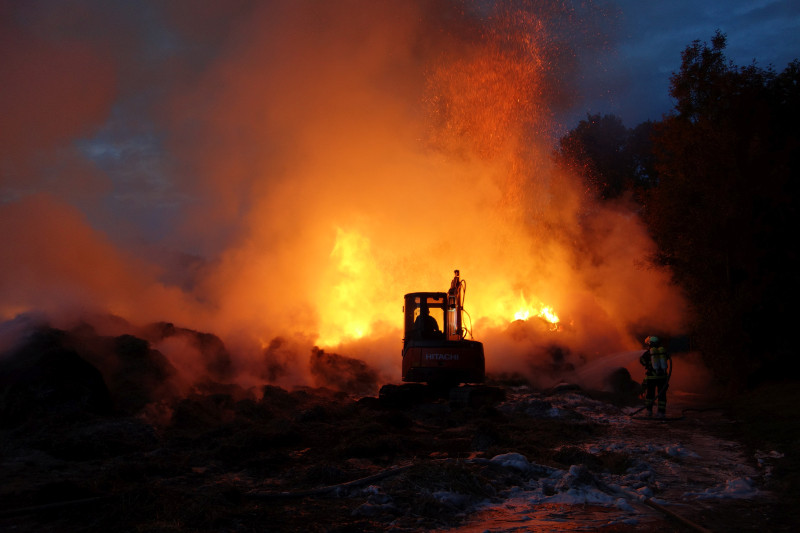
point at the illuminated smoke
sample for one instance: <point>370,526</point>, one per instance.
<point>281,173</point>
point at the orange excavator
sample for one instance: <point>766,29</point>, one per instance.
<point>440,361</point>
<point>440,356</point>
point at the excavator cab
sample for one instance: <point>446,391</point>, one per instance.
<point>435,347</point>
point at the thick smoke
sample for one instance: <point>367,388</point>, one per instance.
<point>281,173</point>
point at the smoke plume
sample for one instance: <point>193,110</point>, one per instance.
<point>281,173</point>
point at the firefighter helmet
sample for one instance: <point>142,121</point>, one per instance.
<point>652,340</point>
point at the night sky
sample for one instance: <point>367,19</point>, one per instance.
<point>632,79</point>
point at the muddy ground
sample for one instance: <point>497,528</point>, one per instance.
<point>317,460</point>
<point>100,444</point>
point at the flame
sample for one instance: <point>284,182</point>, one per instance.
<point>356,298</point>
<point>544,312</point>
<point>522,314</point>
<point>548,314</point>
<point>342,309</point>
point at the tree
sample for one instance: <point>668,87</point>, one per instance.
<point>724,209</point>
<point>611,158</point>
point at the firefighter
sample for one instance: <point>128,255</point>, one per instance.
<point>658,367</point>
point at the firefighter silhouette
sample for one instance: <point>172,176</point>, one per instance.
<point>658,367</point>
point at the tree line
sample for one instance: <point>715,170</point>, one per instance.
<point>715,181</point>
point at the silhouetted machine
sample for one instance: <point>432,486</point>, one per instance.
<point>440,355</point>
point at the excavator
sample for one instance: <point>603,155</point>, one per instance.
<point>442,358</point>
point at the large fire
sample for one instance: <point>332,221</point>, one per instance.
<point>349,305</point>
<point>294,176</point>
<point>467,202</point>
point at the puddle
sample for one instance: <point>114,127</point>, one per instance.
<point>519,515</point>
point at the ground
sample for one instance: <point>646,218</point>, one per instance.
<point>270,459</point>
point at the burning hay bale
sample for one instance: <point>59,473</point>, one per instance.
<point>137,374</point>
<point>46,376</point>
<point>342,373</point>
<point>213,354</point>
<point>276,357</point>
<point>53,370</point>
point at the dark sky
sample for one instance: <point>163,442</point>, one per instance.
<point>632,80</point>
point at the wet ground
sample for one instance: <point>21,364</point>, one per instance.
<point>683,473</point>
<point>317,460</point>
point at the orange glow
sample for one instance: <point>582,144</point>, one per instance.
<point>522,314</point>
<point>548,314</point>
<point>545,312</point>
<point>343,312</point>
<point>460,206</point>
<point>315,167</point>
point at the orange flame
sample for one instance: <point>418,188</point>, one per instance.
<point>342,309</point>
<point>544,312</point>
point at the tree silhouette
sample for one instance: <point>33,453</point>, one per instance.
<point>724,210</point>
<point>717,182</point>
<point>611,158</point>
